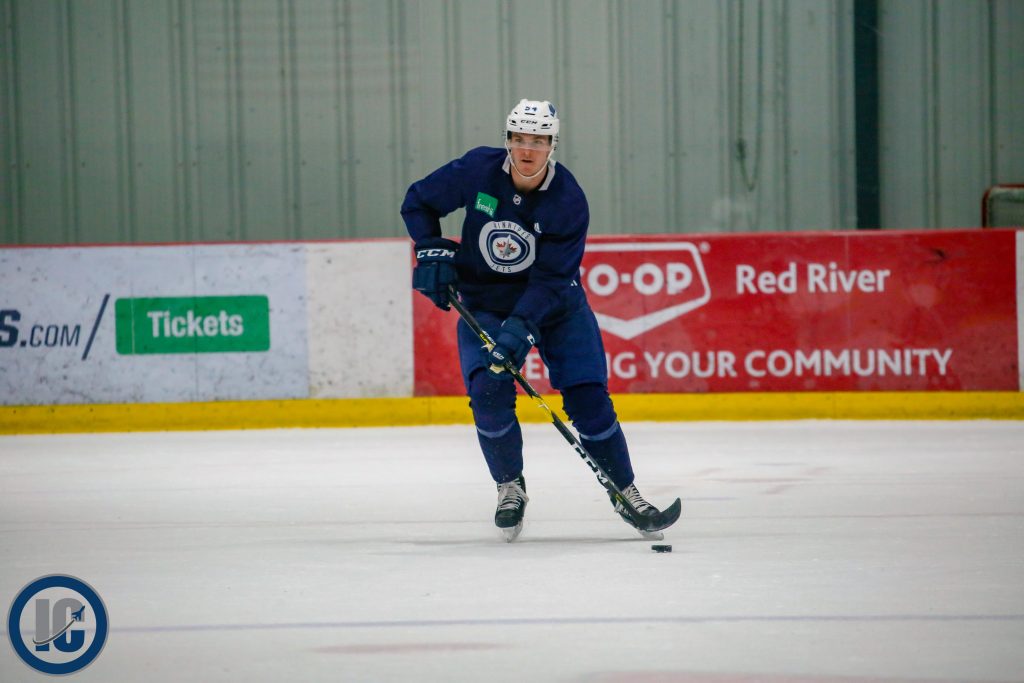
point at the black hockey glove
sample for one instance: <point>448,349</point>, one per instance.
<point>515,339</point>
<point>435,269</point>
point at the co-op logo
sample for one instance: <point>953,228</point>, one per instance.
<point>57,624</point>
<point>637,286</point>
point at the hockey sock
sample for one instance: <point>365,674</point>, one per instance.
<point>593,415</point>
<point>493,402</point>
<point>612,455</point>
<point>503,452</point>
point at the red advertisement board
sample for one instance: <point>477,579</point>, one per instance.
<point>864,311</point>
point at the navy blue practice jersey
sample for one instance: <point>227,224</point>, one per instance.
<point>520,253</point>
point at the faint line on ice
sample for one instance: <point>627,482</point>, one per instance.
<point>570,621</point>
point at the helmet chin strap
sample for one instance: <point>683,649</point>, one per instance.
<point>543,167</point>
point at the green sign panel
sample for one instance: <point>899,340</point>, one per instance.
<point>193,324</point>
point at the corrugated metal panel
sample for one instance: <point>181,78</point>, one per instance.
<point>907,132</point>
<point>141,121</point>
<point>1007,106</point>
<point>952,99</point>
<point>9,207</point>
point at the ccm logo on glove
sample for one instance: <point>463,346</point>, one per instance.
<point>435,269</point>
<point>443,253</point>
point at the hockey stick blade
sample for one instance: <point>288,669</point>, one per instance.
<point>663,519</point>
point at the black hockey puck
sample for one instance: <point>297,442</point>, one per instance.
<point>661,548</point>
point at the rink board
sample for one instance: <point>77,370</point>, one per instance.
<point>916,324</point>
<point>210,322</point>
<point>800,312</point>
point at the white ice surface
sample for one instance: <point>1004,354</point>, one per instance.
<point>807,552</point>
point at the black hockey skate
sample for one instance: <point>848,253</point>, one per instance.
<point>512,501</point>
<point>642,506</point>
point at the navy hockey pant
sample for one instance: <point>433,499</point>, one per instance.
<point>574,354</point>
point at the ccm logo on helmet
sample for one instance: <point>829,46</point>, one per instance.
<point>423,253</point>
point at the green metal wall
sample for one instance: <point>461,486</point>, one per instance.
<point>202,120</point>
<point>952,120</point>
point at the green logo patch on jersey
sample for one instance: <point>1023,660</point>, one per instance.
<point>486,203</point>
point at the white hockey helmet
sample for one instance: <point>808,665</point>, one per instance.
<point>535,117</point>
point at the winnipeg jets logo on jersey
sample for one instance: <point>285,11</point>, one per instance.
<point>507,247</point>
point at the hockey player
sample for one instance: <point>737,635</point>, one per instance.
<point>517,271</point>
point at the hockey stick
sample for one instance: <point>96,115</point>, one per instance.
<point>662,520</point>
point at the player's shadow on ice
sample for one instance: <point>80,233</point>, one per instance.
<point>529,540</point>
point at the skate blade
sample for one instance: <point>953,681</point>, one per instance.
<point>512,533</point>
